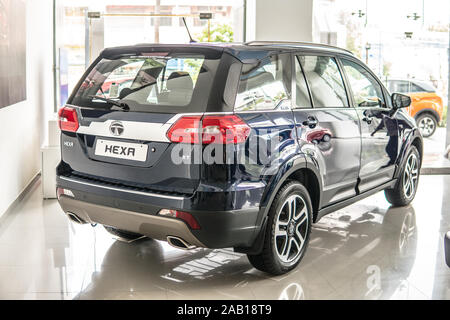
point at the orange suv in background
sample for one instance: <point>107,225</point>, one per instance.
<point>426,105</point>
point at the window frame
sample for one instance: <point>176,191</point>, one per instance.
<point>294,62</point>
<point>341,71</point>
<point>387,104</point>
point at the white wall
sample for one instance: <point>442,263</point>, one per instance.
<point>23,125</point>
<point>279,20</point>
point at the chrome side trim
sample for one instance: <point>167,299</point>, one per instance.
<point>149,194</point>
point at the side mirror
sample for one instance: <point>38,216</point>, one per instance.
<point>400,100</point>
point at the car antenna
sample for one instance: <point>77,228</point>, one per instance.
<point>187,29</point>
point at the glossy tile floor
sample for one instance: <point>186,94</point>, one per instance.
<point>366,251</point>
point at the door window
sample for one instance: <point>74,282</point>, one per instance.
<point>366,90</point>
<point>325,81</point>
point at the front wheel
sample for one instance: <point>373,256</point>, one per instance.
<point>406,186</point>
<point>288,230</point>
<point>427,124</point>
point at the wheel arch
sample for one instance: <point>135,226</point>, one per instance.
<point>297,169</point>
<point>414,139</point>
<point>430,111</point>
<point>418,143</point>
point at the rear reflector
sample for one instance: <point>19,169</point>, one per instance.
<point>68,119</point>
<point>227,129</point>
<point>66,192</point>
<point>185,216</point>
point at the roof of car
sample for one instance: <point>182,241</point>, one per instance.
<point>246,52</point>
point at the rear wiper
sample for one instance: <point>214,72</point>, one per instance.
<point>121,105</point>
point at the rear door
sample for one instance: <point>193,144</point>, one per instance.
<point>379,129</point>
<point>327,127</point>
<point>130,146</point>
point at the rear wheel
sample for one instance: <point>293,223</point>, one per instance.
<point>406,187</point>
<point>122,234</point>
<point>427,124</point>
<point>287,232</point>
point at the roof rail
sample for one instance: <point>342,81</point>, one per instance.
<point>294,43</point>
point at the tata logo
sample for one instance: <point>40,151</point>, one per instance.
<point>116,128</point>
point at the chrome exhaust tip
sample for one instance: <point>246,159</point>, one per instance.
<point>73,217</point>
<point>179,243</point>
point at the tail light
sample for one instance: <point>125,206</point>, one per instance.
<point>68,119</point>
<point>228,129</point>
<point>185,130</point>
<point>185,216</point>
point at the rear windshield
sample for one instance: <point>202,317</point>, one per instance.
<point>160,82</point>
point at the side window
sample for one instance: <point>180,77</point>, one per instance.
<point>416,88</point>
<point>264,86</point>
<point>325,81</point>
<point>366,90</point>
<point>301,89</point>
<point>400,86</point>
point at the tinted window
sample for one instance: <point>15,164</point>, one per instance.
<point>325,81</point>
<point>302,99</point>
<point>416,88</point>
<point>264,86</point>
<point>158,83</point>
<point>366,90</point>
<point>423,86</point>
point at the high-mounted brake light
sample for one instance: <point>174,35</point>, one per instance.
<point>68,119</point>
<point>226,129</point>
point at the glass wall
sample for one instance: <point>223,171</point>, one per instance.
<point>406,43</point>
<point>130,22</point>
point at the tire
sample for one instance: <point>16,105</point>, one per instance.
<point>122,234</point>
<point>283,252</point>
<point>427,124</point>
<point>402,195</point>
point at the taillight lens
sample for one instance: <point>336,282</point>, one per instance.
<point>185,130</point>
<point>185,216</point>
<point>228,129</point>
<point>68,119</point>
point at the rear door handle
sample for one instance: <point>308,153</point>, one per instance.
<point>311,122</point>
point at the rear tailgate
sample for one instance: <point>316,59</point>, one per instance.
<point>128,146</point>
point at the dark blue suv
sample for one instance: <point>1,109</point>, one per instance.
<point>231,145</point>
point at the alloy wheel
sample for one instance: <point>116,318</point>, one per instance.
<point>426,126</point>
<point>291,229</point>
<point>410,176</point>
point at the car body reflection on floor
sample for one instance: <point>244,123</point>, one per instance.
<point>381,244</point>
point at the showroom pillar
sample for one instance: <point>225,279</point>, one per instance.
<point>282,20</point>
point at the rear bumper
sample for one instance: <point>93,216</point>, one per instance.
<point>152,226</point>
<point>137,211</point>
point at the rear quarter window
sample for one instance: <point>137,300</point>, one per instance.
<point>264,85</point>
